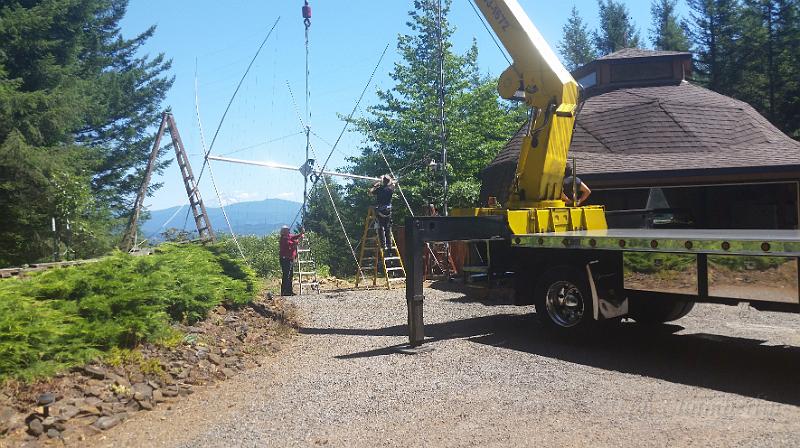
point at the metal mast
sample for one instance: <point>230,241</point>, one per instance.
<point>307,23</point>
<point>442,123</point>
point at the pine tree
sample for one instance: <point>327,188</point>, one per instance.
<point>576,47</point>
<point>405,122</point>
<point>714,31</point>
<point>787,67</point>
<point>668,33</point>
<point>77,102</point>
<point>616,31</point>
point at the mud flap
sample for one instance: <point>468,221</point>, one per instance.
<point>605,303</point>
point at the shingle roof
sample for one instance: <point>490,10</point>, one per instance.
<point>652,131</point>
<point>628,53</point>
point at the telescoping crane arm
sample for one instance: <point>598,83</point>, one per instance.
<point>552,94</point>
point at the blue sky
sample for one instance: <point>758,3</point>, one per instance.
<point>218,39</point>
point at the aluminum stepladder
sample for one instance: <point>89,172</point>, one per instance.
<point>305,269</point>
<point>373,256</point>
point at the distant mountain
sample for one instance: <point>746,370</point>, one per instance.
<point>247,218</point>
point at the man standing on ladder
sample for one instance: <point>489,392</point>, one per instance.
<point>288,252</point>
<point>383,192</point>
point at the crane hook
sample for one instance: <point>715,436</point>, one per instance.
<point>307,14</point>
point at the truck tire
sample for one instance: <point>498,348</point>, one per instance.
<point>651,312</point>
<point>563,300</point>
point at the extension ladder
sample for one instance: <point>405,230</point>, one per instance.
<point>373,256</point>
<point>440,260</point>
<point>305,269</point>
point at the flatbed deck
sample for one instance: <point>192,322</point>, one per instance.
<point>783,243</point>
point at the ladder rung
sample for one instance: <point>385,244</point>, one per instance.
<point>307,273</point>
<point>367,268</point>
<point>397,279</point>
<point>391,258</point>
<point>394,269</point>
<point>303,250</point>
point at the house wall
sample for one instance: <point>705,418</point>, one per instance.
<point>738,206</point>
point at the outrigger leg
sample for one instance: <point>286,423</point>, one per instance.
<point>421,230</point>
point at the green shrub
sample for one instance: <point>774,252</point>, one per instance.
<point>63,317</point>
<point>262,252</point>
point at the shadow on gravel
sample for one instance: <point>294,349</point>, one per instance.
<point>728,364</point>
<point>735,365</point>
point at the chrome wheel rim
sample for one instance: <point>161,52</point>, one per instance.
<point>565,304</point>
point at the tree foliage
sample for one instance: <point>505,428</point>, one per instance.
<point>748,50</point>
<point>616,30</point>
<point>667,33</point>
<point>405,122</point>
<point>77,104</point>
<point>576,44</point>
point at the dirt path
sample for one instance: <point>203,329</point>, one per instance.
<point>721,377</point>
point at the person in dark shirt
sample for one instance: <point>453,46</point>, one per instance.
<point>566,191</point>
<point>383,192</point>
<point>288,252</point>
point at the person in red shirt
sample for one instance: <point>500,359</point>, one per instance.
<point>288,252</point>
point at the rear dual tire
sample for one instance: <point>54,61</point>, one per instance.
<point>563,300</point>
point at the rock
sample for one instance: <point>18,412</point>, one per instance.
<point>184,391</point>
<point>49,421</point>
<point>216,359</point>
<point>106,423</point>
<point>95,372</point>
<point>68,412</point>
<point>137,378</point>
<point>121,381</point>
<point>158,396</point>
<point>171,391</point>
<point>133,406</point>
<point>142,391</point>
<point>184,374</point>
<point>228,372</point>
<point>9,419</point>
<point>35,427</point>
<point>153,384</point>
<point>92,401</point>
<point>53,433</point>
<point>93,391</point>
<point>147,405</point>
<point>88,409</point>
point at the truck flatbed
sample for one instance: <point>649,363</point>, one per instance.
<point>784,243</point>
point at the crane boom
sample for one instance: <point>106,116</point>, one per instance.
<point>551,92</point>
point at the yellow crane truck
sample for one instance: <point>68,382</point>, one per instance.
<point>565,260</point>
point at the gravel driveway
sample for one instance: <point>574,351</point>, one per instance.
<point>722,376</point>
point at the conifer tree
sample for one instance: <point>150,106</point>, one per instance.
<point>714,31</point>
<point>667,33</point>
<point>405,123</point>
<point>616,30</point>
<point>576,46</point>
<point>77,107</point>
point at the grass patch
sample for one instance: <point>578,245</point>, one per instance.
<point>65,317</point>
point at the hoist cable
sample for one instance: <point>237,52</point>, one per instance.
<point>211,171</point>
<point>230,102</point>
<point>349,118</point>
<point>489,31</point>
